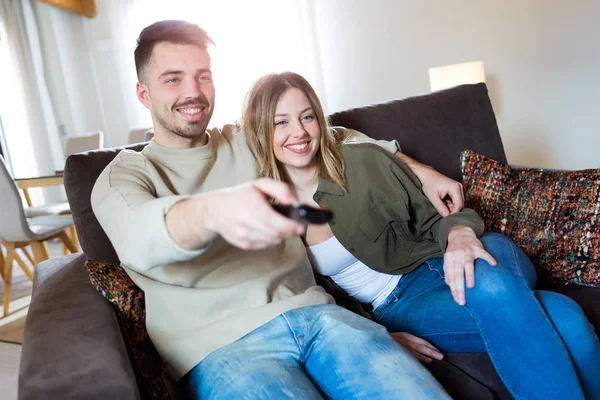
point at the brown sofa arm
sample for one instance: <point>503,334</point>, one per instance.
<point>72,348</point>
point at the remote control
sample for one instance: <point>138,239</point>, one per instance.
<point>303,213</point>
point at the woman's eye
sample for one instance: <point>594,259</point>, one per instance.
<point>280,123</point>
<point>308,118</point>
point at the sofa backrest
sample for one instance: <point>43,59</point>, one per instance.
<point>432,128</point>
<point>81,172</point>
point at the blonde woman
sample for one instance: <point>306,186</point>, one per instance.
<point>434,282</point>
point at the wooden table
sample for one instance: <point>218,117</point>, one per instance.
<point>26,183</point>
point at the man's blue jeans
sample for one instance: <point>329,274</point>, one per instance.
<point>313,352</point>
<point>541,343</point>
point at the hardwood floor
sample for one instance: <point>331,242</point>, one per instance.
<point>9,370</point>
<point>12,326</point>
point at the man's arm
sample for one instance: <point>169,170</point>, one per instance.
<point>437,186</point>
<point>242,215</point>
<point>148,231</point>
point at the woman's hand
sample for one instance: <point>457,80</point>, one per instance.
<point>420,348</point>
<point>459,260</point>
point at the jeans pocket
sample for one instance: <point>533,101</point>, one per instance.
<point>437,265</point>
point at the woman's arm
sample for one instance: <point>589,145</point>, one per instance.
<point>459,260</point>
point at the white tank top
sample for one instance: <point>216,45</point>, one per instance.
<point>330,258</point>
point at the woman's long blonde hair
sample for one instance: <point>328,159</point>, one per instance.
<point>258,123</point>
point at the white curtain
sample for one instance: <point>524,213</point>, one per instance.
<point>29,125</point>
<point>252,38</point>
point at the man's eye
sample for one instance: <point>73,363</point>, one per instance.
<point>172,80</point>
<point>206,78</point>
<point>280,123</point>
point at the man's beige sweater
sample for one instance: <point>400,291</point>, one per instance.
<point>198,301</point>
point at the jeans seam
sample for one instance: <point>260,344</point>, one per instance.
<point>387,305</point>
<point>514,255</point>
<point>492,355</point>
<point>293,333</point>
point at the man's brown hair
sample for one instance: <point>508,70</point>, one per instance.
<point>171,31</point>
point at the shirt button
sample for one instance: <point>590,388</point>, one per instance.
<point>318,196</point>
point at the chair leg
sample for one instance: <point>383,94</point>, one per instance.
<point>74,237</point>
<point>23,266</point>
<point>27,197</point>
<point>67,242</point>
<point>1,263</point>
<point>39,253</point>
<point>46,251</point>
<point>28,255</point>
<point>8,265</point>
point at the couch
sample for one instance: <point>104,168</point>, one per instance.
<point>73,346</point>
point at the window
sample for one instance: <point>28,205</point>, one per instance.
<point>277,39</point>
<point>14,138</point>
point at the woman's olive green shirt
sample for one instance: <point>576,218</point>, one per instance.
<point>383,218</point>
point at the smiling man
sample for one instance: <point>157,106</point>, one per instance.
<point>231,301</point>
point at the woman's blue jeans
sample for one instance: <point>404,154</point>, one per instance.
<point>315,352</point>
<point>541,343</point>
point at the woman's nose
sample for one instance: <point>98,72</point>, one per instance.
<point>298,129</point>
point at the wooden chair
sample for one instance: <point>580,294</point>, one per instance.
<point>75,144</point>
<point>79,144</point>
<point>17,232</point>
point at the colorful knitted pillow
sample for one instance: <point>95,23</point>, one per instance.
<point>553,215</point>
<point>116,286</point>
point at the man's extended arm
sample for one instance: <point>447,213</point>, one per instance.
<point>241,215</point>
<point>148,231</point>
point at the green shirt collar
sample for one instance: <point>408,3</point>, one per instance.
<point>329,187</point>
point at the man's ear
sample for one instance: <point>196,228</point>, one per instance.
<point>142,94</point>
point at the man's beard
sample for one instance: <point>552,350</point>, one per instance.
<point>190,129</point>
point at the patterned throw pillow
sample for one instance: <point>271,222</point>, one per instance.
<point>116,286</point>
<point>553,215</point>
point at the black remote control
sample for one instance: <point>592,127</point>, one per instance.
<point>303,213</point>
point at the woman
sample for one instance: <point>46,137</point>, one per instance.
<point>439,279</point>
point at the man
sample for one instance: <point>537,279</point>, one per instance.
<point>231,302</point>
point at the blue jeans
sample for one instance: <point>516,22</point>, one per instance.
<point>313,352</point>
<point>541,343</point>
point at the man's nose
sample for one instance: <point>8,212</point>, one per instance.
<point>191,89</point>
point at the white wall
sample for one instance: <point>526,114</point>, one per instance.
<point>541,60</point>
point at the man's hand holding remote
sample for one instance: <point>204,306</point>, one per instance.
<point>242,215</point>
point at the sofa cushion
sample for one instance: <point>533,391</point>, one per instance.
<point>553,215</point>
<point>128,300</point>
<point>72,347</point>
<point>81,172</point>
<point>433,128</point>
